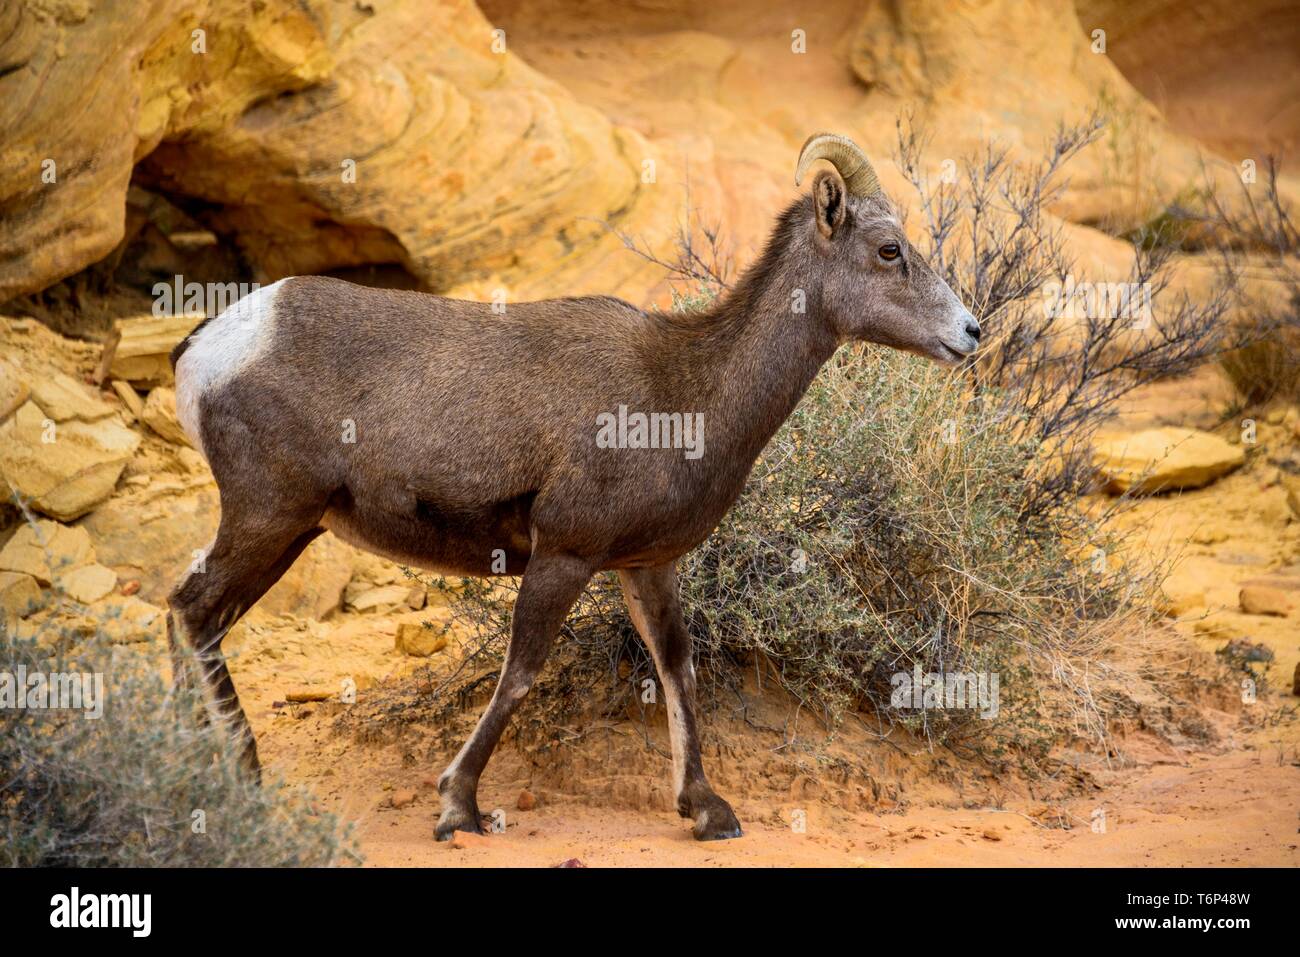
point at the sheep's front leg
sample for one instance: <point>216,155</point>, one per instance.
<point>651,595</point>
<point>551,584</point>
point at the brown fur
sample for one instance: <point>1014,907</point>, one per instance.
<point>477,432</point>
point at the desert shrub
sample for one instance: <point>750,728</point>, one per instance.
<point>1268,366</point>
<point>1265,363</point>
<point>145,784</point>
<point>912,518</point>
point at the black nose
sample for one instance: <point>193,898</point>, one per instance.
<point>973,330</point>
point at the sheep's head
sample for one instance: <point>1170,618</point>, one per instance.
<point>873,283</point>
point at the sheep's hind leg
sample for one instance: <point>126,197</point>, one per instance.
<point>248,556</point>
<point>651,595</point>
<point>551,584</point>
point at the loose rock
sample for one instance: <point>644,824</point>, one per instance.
<point>144,349</point>
<point>362,597</point>
<point>126,619</point>
<point>62,398</point>
<point>20,595</point>
<point>460,840</point>
<point>45,550</point>
<point>313,585</point>
<point>1161,460</point>
<point>64,469</point>
<point>1263,600</point>
<point>159,413</point>
<point>88,583</point>
<point>130,398</point>
<point>302,695</point>
<point>413,639</point>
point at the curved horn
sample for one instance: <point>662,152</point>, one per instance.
<point>847,158</point>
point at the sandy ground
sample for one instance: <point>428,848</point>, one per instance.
<point>1236,809</point>
<point>1235,805</point>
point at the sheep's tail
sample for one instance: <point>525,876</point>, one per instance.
<point>185,343</point>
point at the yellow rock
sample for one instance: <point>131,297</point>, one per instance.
<point>143,351</point>
<point>109,82</point>
<point>304,695</point>
<point>319,135</point>
<point>64,469</point>
<point>1160,460</point>
<point>159,413</point>
<point>88,583</point>
<point>1264,600</point>
<point>1209,535</point>
<point>125,619</point>
<point>1292,485</point>
<point>46,551</point>
<point>417,641</point>
<point>14,389</point>
<point>1219,627</point>
<point>313,586</point>
<point>62,397</point>
<point>151,534</point>
<point>20,595</point>
<point>1178,604</point>
<point>361,596</point>
<point>130,398</point>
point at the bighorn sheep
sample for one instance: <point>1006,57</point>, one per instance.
<point>442,435</point>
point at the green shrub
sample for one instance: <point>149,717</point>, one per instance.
<point>144,785</point>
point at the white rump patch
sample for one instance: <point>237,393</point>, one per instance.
<point>220,350</point>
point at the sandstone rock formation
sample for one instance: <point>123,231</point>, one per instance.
<point>150,534</point>
<point>62,398</point>
<point>126,619</point>
<point>14,390</point>
<point>142,351</point>
<point>154,533</point>
<point>59,556</point>
<point>1162,460</point>
<point>89,583</point>
<point>159,413</point>
<point>313,587</point>
<point>1215,95</point>
<point>1014,71</point>
<point>318,135</point>
<point>1265,600</point>
<point>417,641</point>
<point>91,87</point>
<point>20,595</point>
<point>44,549</point>
<point>63,468</point>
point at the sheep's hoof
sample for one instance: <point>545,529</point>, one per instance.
<point>714,820</point>
<point>458,816</point>
<point>452,821</point>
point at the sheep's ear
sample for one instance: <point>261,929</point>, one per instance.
<point>829,202</point>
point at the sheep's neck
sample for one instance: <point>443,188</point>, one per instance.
<point>761,357</point>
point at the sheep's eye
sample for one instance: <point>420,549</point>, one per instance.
<point>889,252</point>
